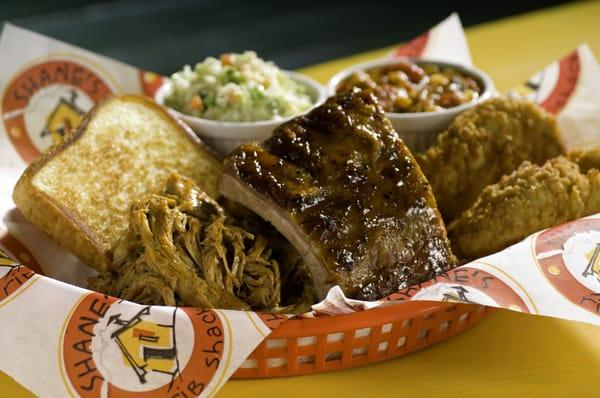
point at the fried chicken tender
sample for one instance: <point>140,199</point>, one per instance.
<point>588,158</point>
<point>530,199</point>
<point>483,144</point>
<point>592,204</point>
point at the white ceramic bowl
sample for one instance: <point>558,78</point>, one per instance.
<point>420,129</point>
<point>224,137</point>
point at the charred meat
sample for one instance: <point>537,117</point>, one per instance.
<point>343,188</point>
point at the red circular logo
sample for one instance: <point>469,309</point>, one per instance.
<point>568,75</point>
<point>19,251</point>
<point>569,257</point>
<point>121,349</point>
<point>413,48</point>
<point>45,101</point>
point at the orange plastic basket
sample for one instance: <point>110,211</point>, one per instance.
<point>303,346</point>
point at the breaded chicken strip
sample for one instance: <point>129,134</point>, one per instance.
<point>589,162</point>
<point>483,144</point>
<point>530,199</point>
<point>586,158</point>
<point>592,204</point>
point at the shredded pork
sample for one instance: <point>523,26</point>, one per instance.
<point>182,249</point>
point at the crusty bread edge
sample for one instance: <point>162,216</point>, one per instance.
<point>58,222</point>
<point>61,225</point>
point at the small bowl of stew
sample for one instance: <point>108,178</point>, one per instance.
<point>421,97</point>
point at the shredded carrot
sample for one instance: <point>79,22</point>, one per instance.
<point>227,59</point>
<point>196,103</point>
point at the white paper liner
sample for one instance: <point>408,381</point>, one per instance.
<point>570,89</point>
<point>445,41</point>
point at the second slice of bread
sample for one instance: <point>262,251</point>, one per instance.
<point>79,192</point>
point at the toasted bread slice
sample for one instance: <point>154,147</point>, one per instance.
<point>79,191</point>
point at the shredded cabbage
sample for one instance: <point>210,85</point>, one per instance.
<point>237,88</point>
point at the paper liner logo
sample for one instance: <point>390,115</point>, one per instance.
<point>16,276</point>
<point>413,48</point>
<point>273,321</point>
<point>553,87</point>
<point>150,82</point>
<point>19,251</point>
<point>116,348</point>
<point>569,257</point>
<point>466,285</point>
<point>46,100</point>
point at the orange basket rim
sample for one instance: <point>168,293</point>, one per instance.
<point>359,319</point>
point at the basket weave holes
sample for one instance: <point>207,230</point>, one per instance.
<point>429,315</point>
<point>276,343</point>
<point>333,337</point>
<point>364,332</point>
<point>422,334</point>
<point>399,332</point>
<point>386,328</point>
<point>333,356</point>
<point>375,340</point>
<point>382,346</point>
<point>444,326</point>
<point>249,364</point>
<point>276,362</point>
<point>358,351</point>
<point>305,359</point>
<point>307,340</point>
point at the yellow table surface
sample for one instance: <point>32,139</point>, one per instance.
<point>508,354</point>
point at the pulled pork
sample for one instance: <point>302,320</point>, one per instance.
<point>182,249</point>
